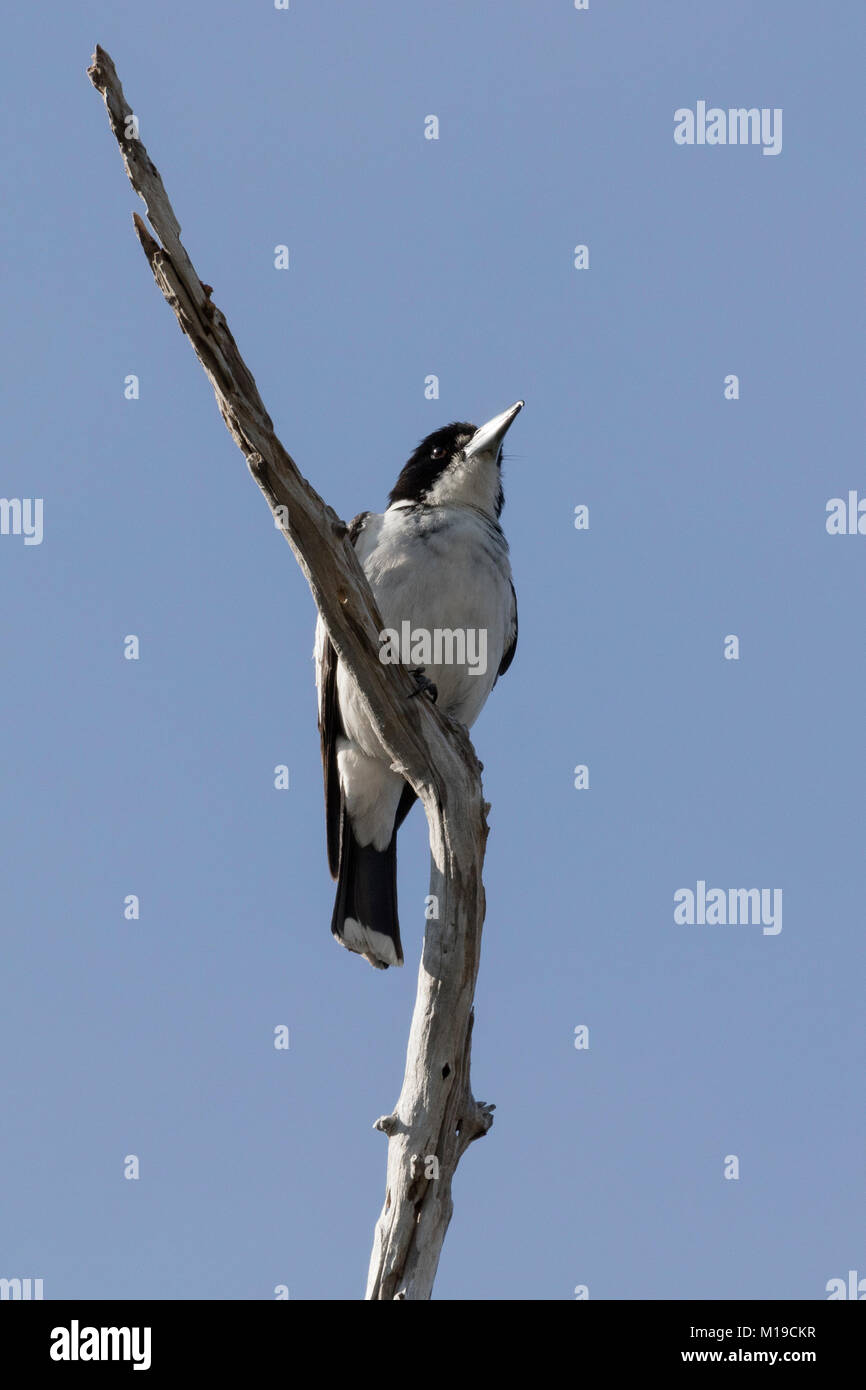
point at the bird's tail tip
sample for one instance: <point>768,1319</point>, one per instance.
<point>375,946</point>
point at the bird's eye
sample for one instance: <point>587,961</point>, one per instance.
<point>438,452</point>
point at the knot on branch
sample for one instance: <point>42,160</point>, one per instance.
<point>388,1124</point>
<point>483,1116</point>
<point>474,1124</point>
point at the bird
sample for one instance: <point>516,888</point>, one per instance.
<point>438,563</point>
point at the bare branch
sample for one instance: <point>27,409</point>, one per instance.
<point>436,1116</point>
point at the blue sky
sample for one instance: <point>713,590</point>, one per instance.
<point>453,257</point>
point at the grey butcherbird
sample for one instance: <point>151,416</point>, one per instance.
<point>437,563</point>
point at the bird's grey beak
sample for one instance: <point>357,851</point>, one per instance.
<point>488,438</point>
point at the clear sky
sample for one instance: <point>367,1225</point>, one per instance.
<point>408,258</point>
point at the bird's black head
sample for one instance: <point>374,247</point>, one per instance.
<point>458,464</point>
<point>430,460</point>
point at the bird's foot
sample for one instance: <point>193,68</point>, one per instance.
<point>425,686</point>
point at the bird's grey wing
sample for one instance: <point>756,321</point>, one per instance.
<point>331,724</point>
<point>510,641</point>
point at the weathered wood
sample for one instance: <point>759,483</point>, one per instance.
<point>436,1115</point>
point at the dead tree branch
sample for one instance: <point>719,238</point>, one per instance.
<point>436,1116</point>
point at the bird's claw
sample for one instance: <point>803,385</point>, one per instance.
<point>425,686</point>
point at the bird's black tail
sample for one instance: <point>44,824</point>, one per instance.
<point>365,912</point>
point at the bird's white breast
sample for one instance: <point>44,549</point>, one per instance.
<point>438,569</point>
